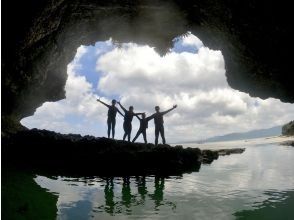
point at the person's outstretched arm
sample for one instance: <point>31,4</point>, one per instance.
<point>135,114</point>
<point>138,116</point>
<point>150,117</point>
<point>98,100</point>
<point>119,112</point>
<point>167,111</point>
<point>123,108</point>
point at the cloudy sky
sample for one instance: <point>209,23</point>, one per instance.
<point>189,75</point>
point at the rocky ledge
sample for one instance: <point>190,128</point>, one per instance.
<point>47,151</point>
<point>210,155</point>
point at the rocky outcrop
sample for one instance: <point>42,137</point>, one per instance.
<point>41,150</point>
<point>288,129</point>
<point>40,38</point>
<point>87,155</point>
<point>210,155</point>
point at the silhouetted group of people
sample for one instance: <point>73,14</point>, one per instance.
<point>128,117</point>
<point>129,199</point>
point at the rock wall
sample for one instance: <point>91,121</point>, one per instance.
<point>40,37</point>
<point>47,151</point>
<point>73,154</point>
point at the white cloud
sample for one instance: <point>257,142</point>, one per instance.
<point>81,51</point>
<point>191,40</point>
<point>196,82</point>
<point>207,106</point>
<point>78,113</point>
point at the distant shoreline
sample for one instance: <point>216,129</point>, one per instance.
<point>239,143</point>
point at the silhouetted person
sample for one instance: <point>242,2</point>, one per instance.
<point>143,127</point>
<point>111,121</point>
<point>126,194</point>
<point>157,196</point>
<point>158,122</point>
<point>109,196</point>
<point>128,117</point>
<point>141,184</point>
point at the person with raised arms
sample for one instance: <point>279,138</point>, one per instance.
<point>158,122</point>
<point>111,116</point>
<point>143,127</point>
<point>128,117</point>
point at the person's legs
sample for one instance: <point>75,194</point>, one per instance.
<point>144,136</point>
<point>126,130</point>
<point>129,132</point>
<point>156,135</point>
<point>108,127</point>
<point>137,135</point>
<point>113,127</point>
<point>161,131</point>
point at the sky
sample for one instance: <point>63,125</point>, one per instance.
<point>189,75</point>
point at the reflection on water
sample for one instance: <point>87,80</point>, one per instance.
<point>244,186</point>
<point>81,198</point>
<point>113,205</point>
<point>279,205</point>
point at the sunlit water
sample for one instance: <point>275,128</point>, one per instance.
<point>257,184</point>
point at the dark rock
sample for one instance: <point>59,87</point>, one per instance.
<point>288,129</point>
<point>42,39</point>
<point>42,150</point>
<point>48,151</point>
<point>223,152</point>
<point>210,155</point>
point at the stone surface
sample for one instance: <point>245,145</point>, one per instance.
<point>41,150</point>
<point>223,152</point>
<point>40,37</point>
<point>47,151</point>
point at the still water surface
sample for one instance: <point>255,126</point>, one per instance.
<point>257,184</point>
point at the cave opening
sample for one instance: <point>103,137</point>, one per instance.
<point>189,74</point>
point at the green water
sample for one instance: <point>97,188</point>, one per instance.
<point>258,184</point>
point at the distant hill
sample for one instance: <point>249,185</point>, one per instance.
<point>274,131</point>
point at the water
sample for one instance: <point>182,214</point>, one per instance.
<point>257,184</point>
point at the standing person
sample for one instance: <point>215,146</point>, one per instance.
<point>111,121</point>
<point>143,127</point>
<point>158,122</point>
<point>128,117</point>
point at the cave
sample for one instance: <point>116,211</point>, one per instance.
<point>38,45</point>
<point>40,38</point>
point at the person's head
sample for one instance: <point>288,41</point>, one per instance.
<point>131,108</point>
<point>157,108</point>
<point>113,102</point>
<point>143,115</point>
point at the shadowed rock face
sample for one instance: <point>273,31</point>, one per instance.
<point>41,150</point>
<point>48,151</point>
<point>254,37</point>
